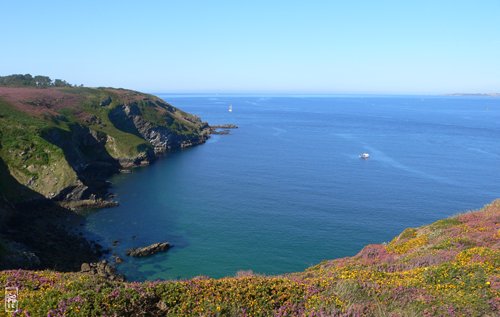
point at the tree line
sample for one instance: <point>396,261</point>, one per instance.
<point>19,80</point>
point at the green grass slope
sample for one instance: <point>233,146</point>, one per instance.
<point>448,268</point>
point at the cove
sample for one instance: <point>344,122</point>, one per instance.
<point>287,189</point>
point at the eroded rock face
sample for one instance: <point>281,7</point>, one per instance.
<point>129,118</point>
<point>149,250</point>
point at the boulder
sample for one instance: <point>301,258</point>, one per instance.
<point>102,269</point>
<point>149,250</point>
<point>85,267</point>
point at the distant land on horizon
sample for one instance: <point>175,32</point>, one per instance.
<point>307,93</point>
<point>495,94</point>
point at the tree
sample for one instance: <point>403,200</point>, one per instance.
<point>19,80</point>
<point>61,83</point>
<point>42,81</point>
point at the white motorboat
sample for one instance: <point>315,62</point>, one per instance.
<point>364,156</point>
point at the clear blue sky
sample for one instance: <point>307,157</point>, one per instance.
<point>367,46</point>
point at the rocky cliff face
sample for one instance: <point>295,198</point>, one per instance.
<point>163,138</point>
<point>63,143</point>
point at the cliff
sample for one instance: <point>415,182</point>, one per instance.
<point>63,143</point>
<point>448,268</point>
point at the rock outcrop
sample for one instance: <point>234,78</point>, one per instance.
<point>149,250</point>
<point>163,137</point>
<point>222,128</point>
<point>102,269</point>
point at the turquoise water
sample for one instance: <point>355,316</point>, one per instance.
<point>287,189</point>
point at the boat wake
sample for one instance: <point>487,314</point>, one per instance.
<point>382,157</point>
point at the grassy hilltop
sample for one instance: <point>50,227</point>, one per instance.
<point>448,268</point>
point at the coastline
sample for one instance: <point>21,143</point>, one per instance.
<point>69,212</point>
<point>63,145</point>
<point>50,223</point>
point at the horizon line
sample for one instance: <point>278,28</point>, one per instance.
<point>310,93</point>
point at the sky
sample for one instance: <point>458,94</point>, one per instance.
<point>361,46</point>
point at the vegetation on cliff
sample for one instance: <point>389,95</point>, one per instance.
<point>448,268</point>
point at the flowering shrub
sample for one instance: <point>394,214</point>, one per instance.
<point>401,247</point>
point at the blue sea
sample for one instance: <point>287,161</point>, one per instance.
<point>287,189</point>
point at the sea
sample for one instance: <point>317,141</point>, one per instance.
<point>287,188</point>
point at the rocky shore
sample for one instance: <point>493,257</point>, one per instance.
<point>222,128</point>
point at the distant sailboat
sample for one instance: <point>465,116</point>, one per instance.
<point>230,108</point>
